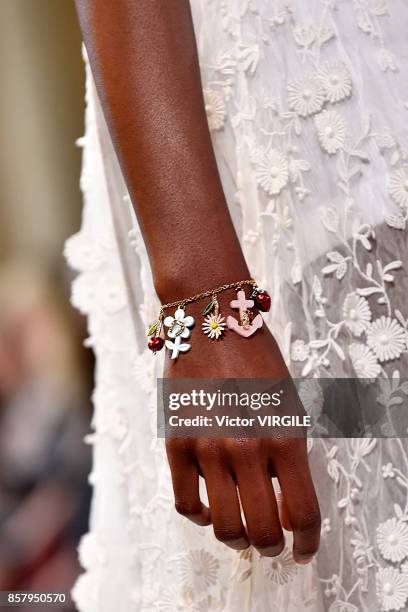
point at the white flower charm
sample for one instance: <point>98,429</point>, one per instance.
<point>281,569</point>
<point>214,326</point>
<point>364,361</point>
<point>392,540</point>
<point>331,130</point>
<point>397,184</point>
<point>392,588</point>
<point>215,109</point>
<point>336,81</point>
<point>178,330</point>
<point>306,96</point>
<point>271,171</point>
<point>299,351</point>
<point>356,313</point>
<point>386,337</point>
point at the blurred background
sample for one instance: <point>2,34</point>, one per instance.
<point>45,373</point>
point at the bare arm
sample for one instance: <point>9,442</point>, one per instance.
<point>144,60</point>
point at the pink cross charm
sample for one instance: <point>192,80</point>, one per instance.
<point>244,330</point>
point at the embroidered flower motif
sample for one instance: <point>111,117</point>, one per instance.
<point>392,588</point>
<point>364,361</point>
<point>174,600</point>
<point>392,540</point>
<point>213,326</point>
<point>198,570</point>
<point>331,130</point>
<point>336,81</point>
<point>404,568</point>
<point>356,313</point>
<point>304,34</point>
<point>85,592</point>
<point>306,96</point>
<point>281,569</point>
<point>209,603</point>
<point>82,254</point>
<point>84,294</point>
<point>326,526</point>
<point>92,554</point>
<point>299,351</point>
<point>387,338</point>
<point>388,471</point>
<point>311,395</point>
<point>272,171</point>
<point>215,109</point>
<point>341,606</point>
<point>113,290</point>
<point>397,184</point>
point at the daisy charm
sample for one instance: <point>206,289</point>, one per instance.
<point>214,326</point>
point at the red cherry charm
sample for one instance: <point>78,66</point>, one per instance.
<point>156,344</point>
<point>262,301</point>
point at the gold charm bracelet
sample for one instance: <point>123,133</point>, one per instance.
<point>214,324</point>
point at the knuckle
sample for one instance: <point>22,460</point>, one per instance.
<point>227,533</point>
<point>309,521</point>
<point>267,539</point>
<point>243,449</point>
<point>288,448</point>
<point>187,508</point>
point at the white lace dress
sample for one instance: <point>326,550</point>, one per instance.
<point>307,103</point>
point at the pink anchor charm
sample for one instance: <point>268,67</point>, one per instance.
<point>244,327</point>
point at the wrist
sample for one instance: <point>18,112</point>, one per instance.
<point>196,276</point>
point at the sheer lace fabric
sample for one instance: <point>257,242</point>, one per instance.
<point>307,104</point>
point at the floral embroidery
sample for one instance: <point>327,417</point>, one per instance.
<point>367,14</point>
<point>306,96</point>
<point>326,526</point>
<point>387,338</point>
<point>392,540</point>
<point>331,129</point>
<point>281,569</point>
<point>364,361</point>
<point>311,394</point>
<point>271,171</point>
<point>275,218</point>
<point>215,109</point>
<point>388,471</point>
<point>356,313</point>
<point>198,570</point>
<point>336,80</point>
<point>398,186</point>
<point>299,351</point>
<point>392,589</point>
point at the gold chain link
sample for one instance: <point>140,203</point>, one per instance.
<point>210,292</point>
